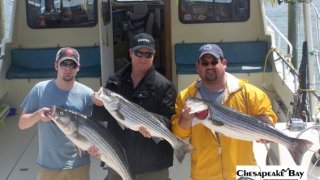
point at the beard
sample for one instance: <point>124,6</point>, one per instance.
<point>68,78</point>
<point>211,76</point>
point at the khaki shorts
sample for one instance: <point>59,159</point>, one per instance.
<point>78,173</point>
<point>154,175</point>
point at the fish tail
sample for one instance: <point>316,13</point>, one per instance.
<point>181,149</point>
<point>298,148</point>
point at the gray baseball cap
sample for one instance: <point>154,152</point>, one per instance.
<point>212,49</point>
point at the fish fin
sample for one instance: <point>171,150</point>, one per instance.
<point>103,123</point>
<point>298,148</point>
<point>122,126</point>
<point>182,148</point>
<point>160,118</point>
<point>82,138</point>
<point>120,118</point>
<point>216,123</point>
<point>119,115</point>
<point>156,139</point>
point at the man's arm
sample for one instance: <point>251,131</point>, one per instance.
<point>181,122</point>
<point>185,120</point>
<point>27,120</point>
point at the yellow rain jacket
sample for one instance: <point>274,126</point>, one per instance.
<point>206,161</point>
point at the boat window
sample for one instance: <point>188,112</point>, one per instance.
<point>213,11</point>
<point>106,11</point>
<point>61,13</point>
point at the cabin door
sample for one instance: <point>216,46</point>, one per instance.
<point>106,42</point>
<point>132,17</point>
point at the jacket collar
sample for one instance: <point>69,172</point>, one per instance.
<point>145,88</point>
<point>233,84</point>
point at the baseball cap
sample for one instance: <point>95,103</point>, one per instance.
<point>68,53</point>
<point>212,49</point>
<point>142,40</point>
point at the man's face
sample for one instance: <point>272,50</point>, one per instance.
<point>142,58</point>
<point>210,68</point>
<point>67,69</point>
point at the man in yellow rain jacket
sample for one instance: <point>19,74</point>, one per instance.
<point>216,155</point>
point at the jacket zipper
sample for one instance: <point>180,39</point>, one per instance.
<point>217,135</point>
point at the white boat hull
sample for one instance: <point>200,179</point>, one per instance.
<point>279,154</point>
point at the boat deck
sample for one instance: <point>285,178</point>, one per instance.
<point>19,150</point>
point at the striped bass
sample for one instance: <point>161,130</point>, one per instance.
<point>238,125</point>
<point>85,133</point>
<point>133,116</point>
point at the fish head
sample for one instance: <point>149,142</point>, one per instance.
<point>109,99</point>
<point>63,119</point>
<point>197,105</point>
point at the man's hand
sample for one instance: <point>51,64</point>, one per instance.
<point>264,118</point>
<point>43,114</point>
<point>144,132</point>
<point>185,120</point>
<point>94,151</point>
<point>95,100</point>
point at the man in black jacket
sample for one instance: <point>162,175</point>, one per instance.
<point>140,83</point>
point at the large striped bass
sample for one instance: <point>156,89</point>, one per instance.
<point>133,116</point>
<point>85,133</point>
<point>238,125</point>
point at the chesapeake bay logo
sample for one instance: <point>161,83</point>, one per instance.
<point>271,173</point>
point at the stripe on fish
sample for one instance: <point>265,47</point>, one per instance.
<point>85,133</point>
<point>238,125</point>
<point>133,116</point>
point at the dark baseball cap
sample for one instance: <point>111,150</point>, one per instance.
<point>142,40</point>
<point>68,53</point>
<point>212,49</point>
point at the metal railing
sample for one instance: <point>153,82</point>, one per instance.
<point>280,42</point>
<point>280,39</point>
<point>317,43</point>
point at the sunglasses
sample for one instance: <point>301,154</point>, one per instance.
<point>206,63</point>
<point>143,54</point>
<point>72,64</point>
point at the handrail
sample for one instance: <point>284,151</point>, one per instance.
<point>2,51</point>
<point>279,38</point>
<point>285,58</point>
<point>316,52</point>
<point>2,54</point>
<point>279,33</point>
<point>7,39</point>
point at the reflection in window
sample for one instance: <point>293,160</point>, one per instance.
<point>106,11</point>
<point>61,13</point>
<point>210,11</point>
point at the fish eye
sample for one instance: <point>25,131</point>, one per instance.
<point>61,113</point>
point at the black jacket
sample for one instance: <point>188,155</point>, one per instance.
<point>155,94</point>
